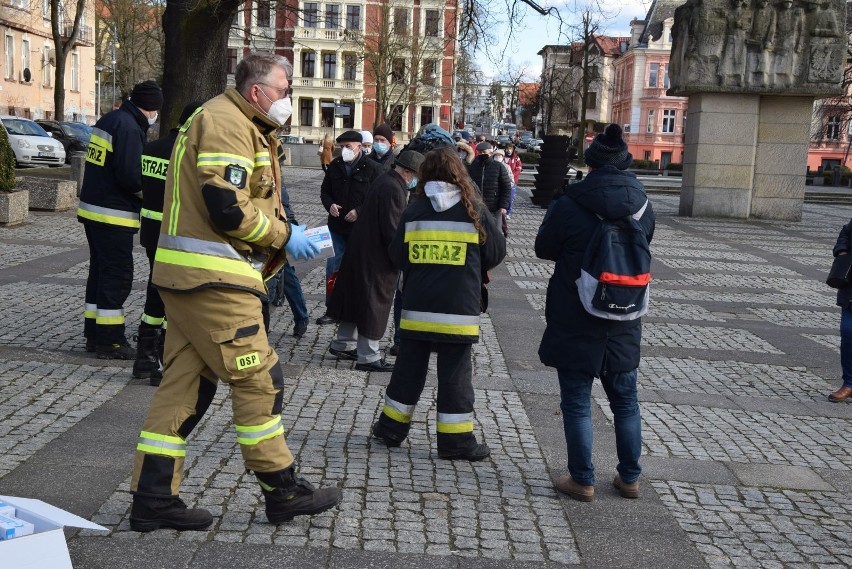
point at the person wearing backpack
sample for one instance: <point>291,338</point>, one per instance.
<point>582,346</point>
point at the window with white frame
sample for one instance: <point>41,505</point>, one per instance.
<point>353,17</point>
<point>310,15</point>
<point>46,70</point>
<point>263,13</point>
<point>45,9</point>
<point>10,57</point>
<point>432,23</point>
<point>669,116</point>
<point>332,16</point>
<point>25,58</point>
<point>400,21</point>
<point>650,125</point>
<point>75,71</point>
<point>653,74</point>
<point>22,4</point>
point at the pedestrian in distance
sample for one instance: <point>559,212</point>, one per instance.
<point>364,290</point>
<point>326,151</point>
<point>516,167</point>
<point>110,200</point>
<point>343,190</point>
<point>222,224</point>
<point>151,337</point>
<point>367,142</point>
<point>444,242</point>
<point>582,346</point>
<point>844,301</point>
<point>493,180</point>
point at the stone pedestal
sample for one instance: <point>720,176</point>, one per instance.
<point>14,207</point>
<point>78,167</point>
<point>49,194</point>
<point>745,155</point>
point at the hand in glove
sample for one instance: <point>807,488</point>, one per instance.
<point>299,246</point>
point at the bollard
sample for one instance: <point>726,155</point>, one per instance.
<point>78,166</point>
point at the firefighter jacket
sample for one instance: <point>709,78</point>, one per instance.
<point>347,190</point>
<point>155,166</point>
<point>112,183</point>
<point>442,261</point>
<point>222,215</point>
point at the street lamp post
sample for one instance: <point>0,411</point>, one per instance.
<point>98,68</point>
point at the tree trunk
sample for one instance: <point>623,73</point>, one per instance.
<point>196,44</point>
<point>61,49</point>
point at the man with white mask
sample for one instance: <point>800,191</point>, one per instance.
<point>222,223</point>
<point>343,191</point>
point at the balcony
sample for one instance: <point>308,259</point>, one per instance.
<point>653,92</point>
<point>324,34</point>
<point>330,84</point>
<point>84,36</point>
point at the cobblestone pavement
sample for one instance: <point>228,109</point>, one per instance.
<point>743,453</point>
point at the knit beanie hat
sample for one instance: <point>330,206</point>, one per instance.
<point>366,137</point>
<point>147,95</point>
<point>608,149</point>
<point>384,130</point>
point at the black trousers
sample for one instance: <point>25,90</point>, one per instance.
<point>109,283</point>
<point>154,313</point>
<point>455,392</point>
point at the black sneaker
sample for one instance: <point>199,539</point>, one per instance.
<point>378,365</point>
<point>116,352</point>
<point>344,354</point>
<point>149,513</point>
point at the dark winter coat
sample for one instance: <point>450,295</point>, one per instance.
<point>155,166</point>
<point>347,191</point>
<point>844,243</point>
<point>493,181</point>
<point>386,161</point>
<point>364,289</point>
<point>574,339</point>
<point>436,286</point>
<point>111,195</point>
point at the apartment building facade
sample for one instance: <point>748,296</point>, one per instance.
<point>335,45</point>
<point>28,62</point>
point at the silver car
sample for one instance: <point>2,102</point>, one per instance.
<point>31,143</point>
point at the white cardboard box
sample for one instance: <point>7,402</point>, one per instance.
<point>321,237</point>
<point>46,548</point>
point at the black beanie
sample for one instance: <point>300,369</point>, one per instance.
<point>147,95</point>
<point>384,130</point>
<point>608,149</point>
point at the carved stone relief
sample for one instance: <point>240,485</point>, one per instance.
<point>793,47</point>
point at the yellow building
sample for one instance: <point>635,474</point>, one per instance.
<point>27,66</point>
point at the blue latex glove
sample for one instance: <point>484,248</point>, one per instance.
<point>299,246</point>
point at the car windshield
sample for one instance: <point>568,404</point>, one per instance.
<point>78,130</point>
<point>23,127</point>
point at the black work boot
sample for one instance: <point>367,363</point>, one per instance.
<point>146,362</point>
<point>288,496</point>
<point>118,351</point>
<point>154,512</point>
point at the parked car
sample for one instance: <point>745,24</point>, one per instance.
<point>535,144</point>
<point>290,139</point>
<point>74,136</point>
<point>31,143</point>
<point>503,140</point>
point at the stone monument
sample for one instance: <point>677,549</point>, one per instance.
<point>751,70</point>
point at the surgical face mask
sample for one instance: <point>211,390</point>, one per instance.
<point>380,148</point>
<point>279,110</point>
<point>347,154</point>
<point>413,183</point>
<point>151,120</point>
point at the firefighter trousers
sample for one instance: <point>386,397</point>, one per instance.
<point>455,392</point>
<point>154,313</point>
<point>213,333</point>
<point>109,283</point>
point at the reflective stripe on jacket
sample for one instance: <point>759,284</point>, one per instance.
<point>112,181</point>
<point>221,212</point>
<point>155,168</point>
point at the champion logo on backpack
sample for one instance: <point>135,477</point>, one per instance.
<point>615,277</point>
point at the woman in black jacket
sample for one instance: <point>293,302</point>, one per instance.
<point>844,301</point>
<point>446,239</point>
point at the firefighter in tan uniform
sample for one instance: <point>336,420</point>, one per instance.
<point>222,220</point>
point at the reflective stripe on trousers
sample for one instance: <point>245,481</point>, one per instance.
<point>439,323</point>
<point>398,411</point>
<point>108,215</point>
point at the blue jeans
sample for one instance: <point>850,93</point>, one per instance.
<point>332,264</point>
<point>292,289</point>
<point>620,388</point>
<point>846,345</point>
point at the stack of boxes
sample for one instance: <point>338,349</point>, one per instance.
<point>10,526</point>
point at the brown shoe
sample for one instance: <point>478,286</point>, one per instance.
<point>566,485</point>
<point>626,490</point>
<point>841,394</point>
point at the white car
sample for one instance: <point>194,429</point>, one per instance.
<point>31,143</point>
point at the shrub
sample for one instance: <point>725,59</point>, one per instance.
<point>7,163</point>
<point>828,176</point>
<point>674,167</point>
<point>528,157</point>
<point>643,165</point>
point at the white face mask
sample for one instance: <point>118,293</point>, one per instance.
<point>281,110</point>
<point>151,121</point>
<point>347,154</point>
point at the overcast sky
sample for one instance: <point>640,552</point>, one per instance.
<point>538,31</point>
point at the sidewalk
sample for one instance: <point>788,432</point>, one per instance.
<point>745,461</point>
